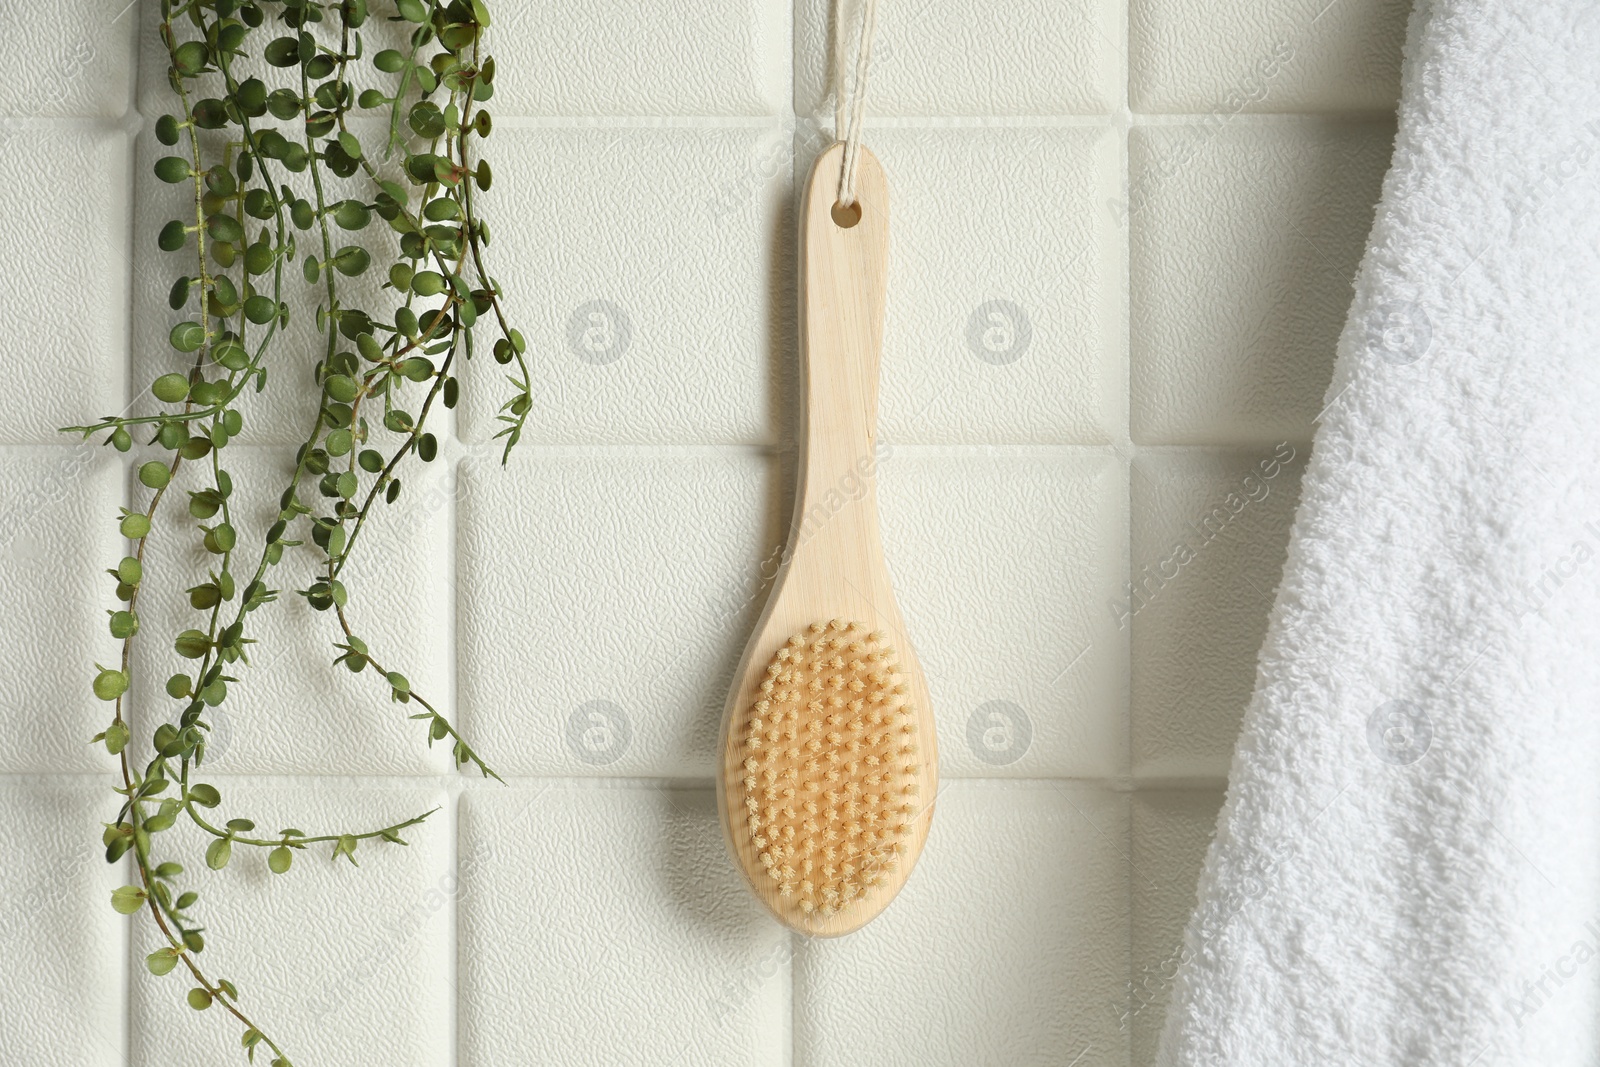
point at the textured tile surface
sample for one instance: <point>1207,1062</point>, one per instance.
<point>1281,55</point>
<point>1027,57</point>
<point>322,950</point>
<point>604,925</point>
<point>1002,948</point>
<point>65,354</point>
<point>1209,536</point>
<point>654,317</point>
<point>699,57</point>
<point>1243,245</point>
<point>1171,830</point>
<point>1004,286</point>
<point>66,1007</point>
<point>72,59</point>
<point>58,535</point>
<point>1001,563</point>
<point>606,601</point>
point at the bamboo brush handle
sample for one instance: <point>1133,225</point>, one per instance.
<point>843,276</point>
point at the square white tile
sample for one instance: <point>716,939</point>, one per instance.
<point>339,963</point>
<point>69,60</point>
<point>1171,830</point>
<point>957,57</point>
<point>1002,564</point>
<point>698,57</point>
<point>607,925</point>
<point>1210,533</point>
<point>651,286</point>
<point>1281,55</point>
<point>65,997</point>
<point>1244,241</point>
<point>64,239</point>
<point>1006,946</point>
<point>605,600</point>
<point>984,343</point>
<point>58,536</point>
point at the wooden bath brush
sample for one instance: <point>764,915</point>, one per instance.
<point>829,763</point>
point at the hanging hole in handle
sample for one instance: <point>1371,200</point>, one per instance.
<point>844,216</point>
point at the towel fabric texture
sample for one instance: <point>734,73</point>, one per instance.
<point>1407,866</point>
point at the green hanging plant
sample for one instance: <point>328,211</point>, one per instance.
<point>236,140</point>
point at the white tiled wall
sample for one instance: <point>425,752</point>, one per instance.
<point>1123,238</point>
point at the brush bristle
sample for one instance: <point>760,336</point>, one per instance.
<point>829,755</point>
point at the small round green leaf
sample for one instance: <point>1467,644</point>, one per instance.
<point>251,97</point>
<point>188,336</point>
<point>170,388</point>
<point>192,644</point>
<point>172,237</point>
<point>352,214</point>
<point>225,228</point>
<point>189,58</point>
<point>260,309</point>
<point>205,795</point>
<point>441,210</point>
<point>229,353</point>
<point>282,52</point>
<point>155,474</point>
<point>341,388</point>
<point>172,169</point>
<point>109,684</point>
<point>128,899</point>
<point>117,738</point>
<point>162,960</point>
<point>218,853</point>
<point>352,260</point>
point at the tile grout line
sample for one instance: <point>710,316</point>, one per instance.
<point>138,121</point>
<point>130,123</point>
<point>452,639</point>
<point>538,451</point>
<point>1125,247</point>
<point>456,784</point>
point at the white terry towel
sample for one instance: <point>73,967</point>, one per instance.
<point>1407,867</point>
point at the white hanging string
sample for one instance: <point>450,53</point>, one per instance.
<point>850,99</point>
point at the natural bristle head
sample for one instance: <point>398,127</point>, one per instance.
<point>822,762</point>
